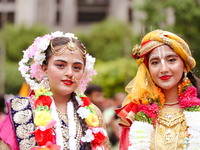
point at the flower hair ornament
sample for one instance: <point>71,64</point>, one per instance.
<point>46,117</point>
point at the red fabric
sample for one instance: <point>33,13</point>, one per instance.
<point>124,138</point>
<point>7,133</point>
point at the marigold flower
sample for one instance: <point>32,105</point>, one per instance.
<point>42,118</point>
<point>92,120</point>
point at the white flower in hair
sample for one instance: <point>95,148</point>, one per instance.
<point>70,35</point>
<point>89,63</point>
<point>88,136</point>
<point>57,34</point>
<point>83,112</point>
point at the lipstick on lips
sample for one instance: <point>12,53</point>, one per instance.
<point>166,77</point>
<point>67,82</point>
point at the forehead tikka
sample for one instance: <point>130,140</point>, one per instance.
<point>70,46</point>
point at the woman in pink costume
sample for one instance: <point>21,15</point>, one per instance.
<point>56,115</point>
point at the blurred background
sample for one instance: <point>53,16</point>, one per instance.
<point>109,29</point>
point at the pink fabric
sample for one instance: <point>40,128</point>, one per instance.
<point>124,138</point>
<point>7,133</point>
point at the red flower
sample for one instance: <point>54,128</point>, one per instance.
<point>150,110</point>
<point>43,100</point>
<point>86,101</point>
<point>189,98</point>
<point>42,137</point>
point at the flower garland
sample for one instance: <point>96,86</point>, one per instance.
<point>142,127</point>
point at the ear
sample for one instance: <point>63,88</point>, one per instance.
<point>44,69</point>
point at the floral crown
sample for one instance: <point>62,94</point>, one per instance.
<point>30,65</point>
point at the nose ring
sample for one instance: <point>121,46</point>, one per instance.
<point>164,74</point>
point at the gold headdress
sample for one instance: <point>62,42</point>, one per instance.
<point>70,46</point>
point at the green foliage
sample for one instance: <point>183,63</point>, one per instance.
<point>20,38</point>
<point>17,40</point>
<point>106,39</point>
<point>141,116</point>
<point>112,75</point>
<point>14,79</point>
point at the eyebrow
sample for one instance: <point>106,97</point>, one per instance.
<point>64,61</point>
<point>155,56</point>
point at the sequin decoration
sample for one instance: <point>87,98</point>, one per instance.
<point>22,117</point>
<point>26,144</point>
<point>19,104</point>
<point>21,113</point>
<point>23,130</point>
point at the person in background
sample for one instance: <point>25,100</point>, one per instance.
<point>95,94</point>
<point>2,107</point>
<point>111,119</point>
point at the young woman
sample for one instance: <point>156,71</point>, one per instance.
<point>56,115</point>
<point>162,108</point>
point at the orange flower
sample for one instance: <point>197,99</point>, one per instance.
<point>180,87</point>
<point>161,97</point>
<point>145,101</point>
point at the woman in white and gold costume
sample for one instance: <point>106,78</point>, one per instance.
<point>161,111</point>
<point>56,115</point>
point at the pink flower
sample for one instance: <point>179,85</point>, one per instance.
<point>150,110</point>
<point>189,98</point>
<point>36,71</point>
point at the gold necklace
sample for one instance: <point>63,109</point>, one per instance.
<point>171,104</point>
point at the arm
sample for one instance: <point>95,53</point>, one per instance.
<point>102,124</point>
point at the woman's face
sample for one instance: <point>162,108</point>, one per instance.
<point>62,69</point>
<point>166,67</point>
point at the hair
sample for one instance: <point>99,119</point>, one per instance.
<point>91,88</point>
<point>60,41</point>
<point>87,145</point>
<point>195,82</point>
<point>2,103</point>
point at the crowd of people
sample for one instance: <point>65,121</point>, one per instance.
<point>160,109</point>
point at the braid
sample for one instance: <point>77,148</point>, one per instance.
<point>87,145</point>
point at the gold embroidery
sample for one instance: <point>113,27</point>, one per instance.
<point>23,130</point>
<point>26,144</point>
<point>172,127</point>
<point>19,104</point>
<point>102,124</point>
<point>4,146</point>
<point>22,117</point>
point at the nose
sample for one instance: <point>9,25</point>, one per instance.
<point>164,67</point>
<point>69,72</point>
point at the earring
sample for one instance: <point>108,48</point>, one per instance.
<point>45,82</point>
<point>79,91</point>
<point>73,79</point>
<point>185,76</point>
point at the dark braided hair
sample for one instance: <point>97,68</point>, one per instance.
<point>195,81</point>
<point>87,145</point>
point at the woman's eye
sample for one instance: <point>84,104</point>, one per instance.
<point>60,65</point>
<point>154,62</point>
<point>77,68</point>
<point>171,60</point>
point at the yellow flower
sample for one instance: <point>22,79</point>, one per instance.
<point>42,118</point>
<point>92,120</point>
